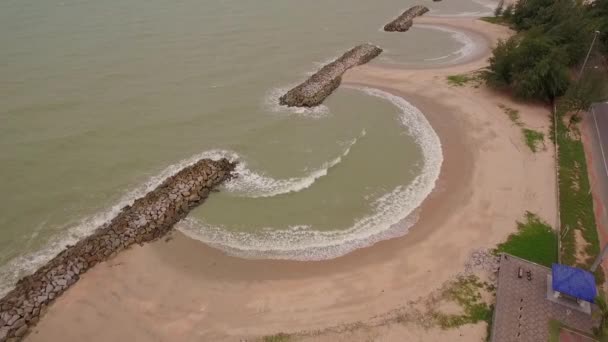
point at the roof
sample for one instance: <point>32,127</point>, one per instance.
<point>574,282</point>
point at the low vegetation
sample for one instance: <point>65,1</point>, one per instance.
<point>474,78</point>
<point>281,337</point>
<point>495,20</point>
<point>532,138</point>
<point>576,203</point>
<point>513,114</point>
<point>534,240</point>
<point>465,291</point>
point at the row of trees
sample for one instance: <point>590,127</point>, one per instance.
<point>553,36</point>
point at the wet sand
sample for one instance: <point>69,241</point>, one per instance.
<point>182,290</point>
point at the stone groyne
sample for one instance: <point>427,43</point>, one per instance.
<point>405,20</point>
<point>320,85</point>
<point>149,218</point>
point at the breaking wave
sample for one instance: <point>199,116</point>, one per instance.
<point>249,183</point>
<point>393,213</point>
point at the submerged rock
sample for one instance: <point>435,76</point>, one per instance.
<point>405,20</point>
<point>320,85</point>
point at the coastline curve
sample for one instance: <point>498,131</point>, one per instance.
<point>394,212</point>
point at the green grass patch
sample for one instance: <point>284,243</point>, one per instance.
<point>576,204</point>
<point>464,79</point>
<point>493,20</point>
<point>281,337</point>
<point>554,328</point>
<point>466,292</point>
<point>513,114</point>
<point>496,20</point>
<point>534,241</point>
<point>458,80</point>
<point>533,138</point>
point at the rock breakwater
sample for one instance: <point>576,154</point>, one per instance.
<point>149,218</point>
<point>405,20</point>
<point>319,86</point>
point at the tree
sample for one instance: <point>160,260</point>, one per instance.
<point>498,10</point>
<point>598,11</point>
<point>589,89</point>
<point>499,73</point>
<point>507,13</point>
<point>532,66</point>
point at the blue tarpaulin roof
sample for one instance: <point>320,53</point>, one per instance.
<point>574,282</point>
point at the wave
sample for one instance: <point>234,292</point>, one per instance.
<point>27,264</point>
<point>393,213</point>
<point>490,5</point>
<point>271,101</point>
<point>469,46</point>
<point>249,183</point>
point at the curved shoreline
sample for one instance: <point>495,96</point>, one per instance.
<point>394,214</point>
<point>183,289</point>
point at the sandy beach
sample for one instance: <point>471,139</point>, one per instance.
<point>178,289</point>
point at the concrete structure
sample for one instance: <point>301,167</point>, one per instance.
<point>523,310</point>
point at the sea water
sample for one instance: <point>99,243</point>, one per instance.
<point>102,100</point>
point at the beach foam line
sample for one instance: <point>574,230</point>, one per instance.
<point>29,263</point>
<point>248,183</point>
<point>393,213</point>
<point>469,46</point>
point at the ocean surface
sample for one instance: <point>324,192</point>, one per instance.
<point>101,100</point>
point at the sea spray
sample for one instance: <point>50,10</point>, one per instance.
<point>393,213</point>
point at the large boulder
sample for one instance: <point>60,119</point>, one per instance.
<point>405,20</point>
<point>314,90</point>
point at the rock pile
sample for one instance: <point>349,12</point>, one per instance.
<point>483,260</point>
<point>149,218</point>
<point>405,20</point>
<point>320,85</point>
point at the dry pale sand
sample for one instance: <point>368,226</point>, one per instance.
<point>182,290</point>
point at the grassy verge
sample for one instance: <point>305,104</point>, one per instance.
<point>534,241</point>
<point>576,204</point>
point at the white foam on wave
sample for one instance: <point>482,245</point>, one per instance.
<point>27,264</point>
<point>271,101</point>
<point>249,183</point>
<point>393,213</point>
<point>469,46</point>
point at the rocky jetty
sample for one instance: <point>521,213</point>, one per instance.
<point>320,85</point>
<point>149,218</point>
<point>405,20</point>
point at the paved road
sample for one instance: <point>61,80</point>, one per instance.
<point>595,129</point>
